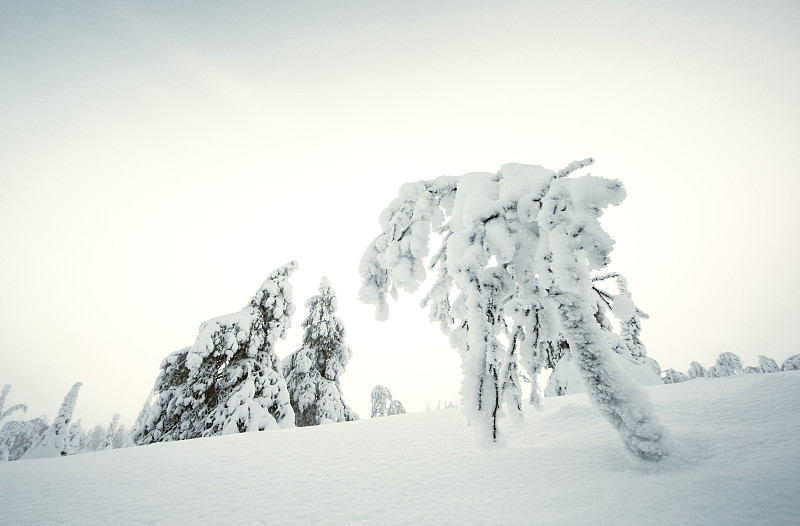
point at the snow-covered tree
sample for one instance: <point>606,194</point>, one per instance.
<point>138,429</point>
<point>313,372</point>
<point>381,398</point>
<point>696,370</point>
<point>749,369</point>
<point>396,408</point>
<point>77,438</point>
<point>120,437</point>
<point>671,376</point>
<point>728,364</point>
<point>767,365</point>
<point>95,438</point>
<point>230,380</point>
<point>111,431</point>
<point>17,436</point>
<point>55,441</point>
<point>791,363</point>
<point>523,239</point>
<point>5,413</point>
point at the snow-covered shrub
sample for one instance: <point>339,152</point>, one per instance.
<point>230,380</point>
<point>396,408</point>
<point>312,372</point>
<point>696,370</point>
<point>671,376</point>
<point>55,441</point>
<point>791,363</point>
<point>381,397</point>
<point>767,365</point>
<point>728,364</point>
<point>519,247</point>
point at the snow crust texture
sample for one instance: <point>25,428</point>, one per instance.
<point>736,463</point>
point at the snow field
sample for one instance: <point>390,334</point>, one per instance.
<point>738,462</point>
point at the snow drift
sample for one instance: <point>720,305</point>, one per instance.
<point>736,462</point>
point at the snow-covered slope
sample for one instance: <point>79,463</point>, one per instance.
<point>737,462</point>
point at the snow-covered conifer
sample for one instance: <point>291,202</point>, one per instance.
<point>749,369</point>
<point>111,431</point>
<point>791,363</point>
<point>55,441</point>
<point>728,364</point>
<point>313,372</point>
<point>696,370</point>
<point>671,376</point>
<point>381,398</point>
<point>77,438</point>
<point>396,408</point>
<point>524,238</point>
<point>17,436</point>
<point>120,437</point>
<point>95,438</point>
<point>767,365</point>
<point>230,380</point>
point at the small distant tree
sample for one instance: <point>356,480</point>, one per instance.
<point>111,430</point>
<point>396,408</point>
<point>525,239</point>
<point>313,372</point>
<point>77,438</point>
<point>95,438</point>
<point>696,370</point>
<point>767,365</point>
<point>671,376</point>
<point>728,364</point>
<point>55,441</point>
<point>791,363</point>
<point>120,437</point>
<point>381,398</point>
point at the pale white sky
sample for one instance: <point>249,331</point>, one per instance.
<point>158,161</point>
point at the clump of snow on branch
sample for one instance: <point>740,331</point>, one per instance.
<point>514,287</point>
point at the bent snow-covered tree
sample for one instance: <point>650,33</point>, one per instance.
<point>230,380</point>
<point>313,372</point>
<point>55,441</point>
<point>518,245</point>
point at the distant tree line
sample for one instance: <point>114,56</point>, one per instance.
<point>730,364</point>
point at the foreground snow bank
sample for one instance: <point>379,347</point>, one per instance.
<point>738,463</point>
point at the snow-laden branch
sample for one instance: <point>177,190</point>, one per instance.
<point>520,245</point>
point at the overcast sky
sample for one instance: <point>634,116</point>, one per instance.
<point>158,160</point>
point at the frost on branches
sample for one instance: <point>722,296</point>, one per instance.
<point>381,398</point>
<point>312,372</point>
<point>513,282</point>
<point>230,380</point>
<point>55,441</point>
